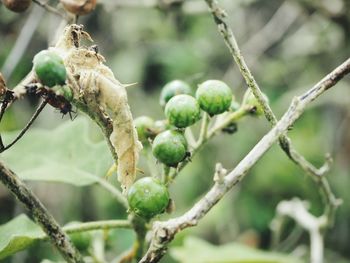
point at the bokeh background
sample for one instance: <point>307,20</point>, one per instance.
<point>289,45</point>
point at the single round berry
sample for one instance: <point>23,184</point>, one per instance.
<point>147,197</point>
<point>255,107</point>
<point>145,128</point>
<point>173,88</point>
<point>49,68</point>
<point>79,7</point>
<point>182,111</point>
<point>81,240</point>
<point>169,147</point>
<point>17,6</point>
<point>214,97</point>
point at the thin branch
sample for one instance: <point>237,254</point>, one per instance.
<point>219,126</point>
<point>97,225</point>
<point>204,129</point>
<point>49,8</point>
<point>297,210</point>
<point>46,221</point>
<point>22,41</point>
<point>114,191</point>
<point>24,130</point>
<point>219,16</point>
<point>164,232</point>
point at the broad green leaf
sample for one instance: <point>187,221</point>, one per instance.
<point>65,154</point>
<point>196,250</point>
<point>18,234</point>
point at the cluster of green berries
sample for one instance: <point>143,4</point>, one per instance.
<point>148,196</point>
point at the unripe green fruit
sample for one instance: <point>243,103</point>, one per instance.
<point>81,240</point>
<point>214,97</point>
<point>182,111</point>
<point>169,147</point>
<point>173,88</point>
<point>250,100</point>
<point>49,68</point>
<point>147,197</point>
<point>145,128</point>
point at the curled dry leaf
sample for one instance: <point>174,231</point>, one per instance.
<point>98,92</point>
<point>79,7</point>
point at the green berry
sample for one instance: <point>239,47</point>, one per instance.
<point>49,68</point>
<point>255,107</point>
<point>147,197</point>
<point>81,240</point>
<point>173,88</point>
<point>169,147</point>
<point>145,128</point>
<point>182,111</point>
<point>214,97</point>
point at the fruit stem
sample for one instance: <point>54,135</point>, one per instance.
<point>204,129</point>
<point>231,117</point>
<point>165,174</point>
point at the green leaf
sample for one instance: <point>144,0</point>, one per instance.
<point>196,250</point>
<point>66,154</point>
<point>18,234</point>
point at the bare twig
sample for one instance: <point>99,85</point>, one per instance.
<point>97,225</point>
<point>49,8</point>
<point>219,16</point>
<point>49,225</point>
<point>297,210</point>
<point>22,41</point>
<point>24,130</point>
<point>186,7</point>
<point>164,232</point>
<point>114,191</point>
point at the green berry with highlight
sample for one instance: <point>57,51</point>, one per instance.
<point>170,147</point>
<point>148,197</point>
<point>182,111</point>
<point>49,68</point>
<point>214,96</point>
<point>173,88</point>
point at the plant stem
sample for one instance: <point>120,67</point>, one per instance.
<point>114,191</point>
<point>206,135</point>
<point>25,129</point>
<point>204,129</point>
<point>44,219</point>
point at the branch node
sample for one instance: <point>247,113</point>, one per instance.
<point>220,173</point>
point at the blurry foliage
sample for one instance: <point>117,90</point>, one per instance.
<point>152,47</point>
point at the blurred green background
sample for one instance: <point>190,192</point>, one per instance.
<point>290,45</point>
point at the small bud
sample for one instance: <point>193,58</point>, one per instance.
<point>79,7</point>
<point>17,6</point>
